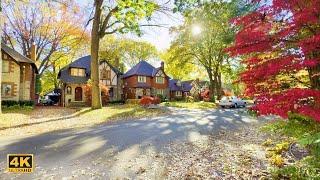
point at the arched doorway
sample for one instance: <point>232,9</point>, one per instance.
<point>78,94</point>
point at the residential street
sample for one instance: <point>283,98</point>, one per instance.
<point>122,149</point>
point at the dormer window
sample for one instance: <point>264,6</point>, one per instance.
<point>77,72</point>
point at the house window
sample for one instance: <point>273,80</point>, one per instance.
<point>6,89</point>
<point>178,83</point>
<point>77,72</point>
<point>142,79</point>
<point>160,91</point>
<point>178,93</point>
<point>5,66</point>
<point>105,74</point>
<point>69,90</point>
<point>159,80</point>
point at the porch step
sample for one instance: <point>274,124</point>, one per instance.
<point>77,104</point>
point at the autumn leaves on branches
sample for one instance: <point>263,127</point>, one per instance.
<point>279,43</point>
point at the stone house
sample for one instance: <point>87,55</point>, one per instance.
<point>74,78</point>
<point>145,80</point>
<point>18,75</point>
<point>179,89</point>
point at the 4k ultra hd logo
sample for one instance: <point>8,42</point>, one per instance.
<point>20,163</point>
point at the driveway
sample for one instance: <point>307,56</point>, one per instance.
<point>122,149</point>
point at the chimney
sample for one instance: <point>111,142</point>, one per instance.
<point>33,52</point>
<point>162,65</point>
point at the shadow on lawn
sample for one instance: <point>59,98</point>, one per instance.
<point>76,114</point>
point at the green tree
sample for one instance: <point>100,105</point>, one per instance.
<point>128,51</point>
<point>201,40</point>
<point>111,17</point>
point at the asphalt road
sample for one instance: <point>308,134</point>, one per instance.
<point>122,149</point>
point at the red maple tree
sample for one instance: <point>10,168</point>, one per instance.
<point>280,46</point>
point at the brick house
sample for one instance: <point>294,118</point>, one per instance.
<point>144,79</point>
<point>74,78</point>
<point>179,89</point>
<point>18,75</point>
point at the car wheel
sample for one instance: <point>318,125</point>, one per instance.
<point>222,106</point>
<point>235,105</point>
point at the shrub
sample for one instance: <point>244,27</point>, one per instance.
<point>148,100</point>
<point>116,102</point>
<point>9,103</point>
<point>104,94</point>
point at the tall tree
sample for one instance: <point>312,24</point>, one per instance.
<point>202,38</point>
<point>128,51</point>
<point>279,43</point>
<point>52,26</point>
<point>111,17</point>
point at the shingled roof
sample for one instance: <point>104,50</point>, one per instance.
<point>185,86</point>
<point>85,63</point>
<point>143,69</point>
<point>17,56</point>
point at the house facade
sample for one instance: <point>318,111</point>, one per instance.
<point>145,80</point>
<point>179,89</point>
<point>18,75</point>
<point>75,76</point>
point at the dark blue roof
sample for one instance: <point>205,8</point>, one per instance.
<point>142,68</point>
<point>185,86</point>
<point>85,63</point>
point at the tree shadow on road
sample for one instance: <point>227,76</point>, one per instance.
<point>134,136</point>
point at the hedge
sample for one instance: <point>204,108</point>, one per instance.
<point>9,103</point>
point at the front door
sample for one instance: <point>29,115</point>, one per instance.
<point>78,94</point>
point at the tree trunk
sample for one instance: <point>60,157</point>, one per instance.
<point>95,40</point>
<point>211,85</point>
<point>218,85</point>
<point>314,76</point>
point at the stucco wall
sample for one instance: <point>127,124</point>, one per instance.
<point>11,77</point>
<point>71,97</point>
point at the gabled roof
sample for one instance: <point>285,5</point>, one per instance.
<point>143,69</point>
<point>185,86</point>
<point>85,63</point>
<point>17,56</point>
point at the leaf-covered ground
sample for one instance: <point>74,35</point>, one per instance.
<point>227,155</point>
<point>46,119</point>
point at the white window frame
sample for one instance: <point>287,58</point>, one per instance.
<point>160,92</point>
<point>3,89</point>
<point>178,93</point>
<point>159,80</point>
<point>142,79</point>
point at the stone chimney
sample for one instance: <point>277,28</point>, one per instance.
<point>162,65</point>
<point>33,52</point>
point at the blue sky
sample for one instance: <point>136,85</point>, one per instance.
<point>159,37</point>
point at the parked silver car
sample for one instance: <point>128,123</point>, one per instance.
<point>232,101</point>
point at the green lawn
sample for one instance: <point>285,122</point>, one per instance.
<point>45,119</point>
<point>191,105</point>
